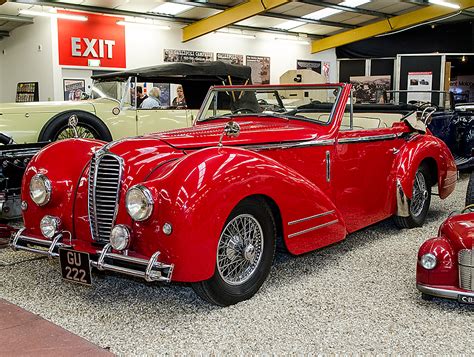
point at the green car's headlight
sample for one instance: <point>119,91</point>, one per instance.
<point>40,189</point>
<point>139,203</point>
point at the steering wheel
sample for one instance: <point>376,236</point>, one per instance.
<point>243,110</point>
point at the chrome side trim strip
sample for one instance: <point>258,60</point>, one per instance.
<point>311,217</point>
<point>364,139</point>
<point>299,144</point>
<point>443,293</point>
<point>328,166</point>
<point>312,228</point>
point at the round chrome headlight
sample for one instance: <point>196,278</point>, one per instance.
<point>120,237</point>
<point>428,261</point>
<point>49,226</point>
<point>139,202</point>
<point>40,189</point>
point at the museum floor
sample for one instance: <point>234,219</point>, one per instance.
<point>356,296</point>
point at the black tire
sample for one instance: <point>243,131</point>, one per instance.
<point>417,218</point>
<point>218,291</point>
<point>470,191</point>
<point>86,121</point>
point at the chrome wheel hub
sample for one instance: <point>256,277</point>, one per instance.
<point>420,194</point>
<point>240,249</point>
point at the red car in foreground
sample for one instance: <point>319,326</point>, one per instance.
<point>206,205</point>
<point>446,263</point>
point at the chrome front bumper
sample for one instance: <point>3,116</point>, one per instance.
<point>104,259</point>
<point>443,293</point>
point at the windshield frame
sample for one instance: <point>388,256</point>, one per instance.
<point>125,82</point>
<point>200,117</point>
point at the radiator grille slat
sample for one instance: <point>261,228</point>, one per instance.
<point>466,269</point>
<point>104,187</point>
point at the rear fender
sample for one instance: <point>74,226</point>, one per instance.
<point>418,149</point>
<point>196,195</point>
<point>56,163</point>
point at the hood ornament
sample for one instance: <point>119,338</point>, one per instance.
<point>72,123</point>
<point>231,130</point>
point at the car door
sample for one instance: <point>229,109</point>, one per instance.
<point>156,120</point>
<point>364,184</point>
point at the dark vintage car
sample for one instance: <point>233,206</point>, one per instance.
<point>207,205</point>
<point>111,113</point>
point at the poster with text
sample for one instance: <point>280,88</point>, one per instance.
<point>230,58</point>
<point>73,88</point>
<point>370,89</point>
<point>420,85</point>
<point>306,64</point>
<point>463,89</point>
<point>187,56</point>
<point>260,69</point>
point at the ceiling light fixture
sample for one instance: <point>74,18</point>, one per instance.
<point>292,40</point>
<point>53,14</point>
<point>288,25</point>
<point>444,3</point>
<point>171,8</point>
<point>236,34</point>
<point>143,24</point>
<point>318,15</point>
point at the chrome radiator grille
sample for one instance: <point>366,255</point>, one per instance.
<point>466,269</point>
<point>104,186</point>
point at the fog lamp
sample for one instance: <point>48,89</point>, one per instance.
<point>139,202</point>
<point>428,261</point>
<point>40,189</point>
<point>49,226</point>
<point>120,237</point>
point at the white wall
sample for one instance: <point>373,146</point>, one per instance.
<point>23,61</point>
<point>145,47</point>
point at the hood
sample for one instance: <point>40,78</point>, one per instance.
<point>51,107</point>
<point>459,230</point>
<point>253,131</point>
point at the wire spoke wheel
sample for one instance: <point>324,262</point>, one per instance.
<point>420,194</point>
<point>82,132</point>
<point>240,249</point>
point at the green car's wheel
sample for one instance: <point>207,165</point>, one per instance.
<point>88,126</point>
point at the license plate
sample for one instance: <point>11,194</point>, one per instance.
<point>466,299</point>
<point>75,266</point>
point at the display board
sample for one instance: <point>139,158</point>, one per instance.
<point>420,64</point>
<point>230,58</point>
<point>27,92</point>
<point>307,64</point>
<point>260,69</point>
<point>370,89</point>
<point>187,56</point>
<point>348,68</point>
<point>73,88</point>
<point>420,81</point>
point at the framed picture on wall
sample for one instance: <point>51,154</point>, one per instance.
<point>74,88</point>
<point>260,69</point>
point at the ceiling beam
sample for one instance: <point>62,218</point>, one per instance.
<point>23,19</point>
<point>357,10</point>
<point>215,6</point>
<point>117,12</point>
<point>228,17</point>
<point>392,24</point>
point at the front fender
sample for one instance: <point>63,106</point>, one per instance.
<point>197,193</point>
<point>63,171</point>
<point>418,149</point>
<point>446,270</point>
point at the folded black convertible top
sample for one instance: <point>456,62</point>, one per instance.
<point>187,71</point>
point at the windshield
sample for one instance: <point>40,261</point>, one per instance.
<point>314,103</point>
<point>112,90</point>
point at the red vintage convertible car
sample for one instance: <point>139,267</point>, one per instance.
<point>206,205</point>
<point>446,263</point>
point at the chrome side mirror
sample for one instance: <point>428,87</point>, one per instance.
<point>231,130</point>
<point>72,123</point>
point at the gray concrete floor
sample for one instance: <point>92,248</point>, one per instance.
<point>356,296</point>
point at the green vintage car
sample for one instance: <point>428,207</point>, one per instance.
<point>112,113</point>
